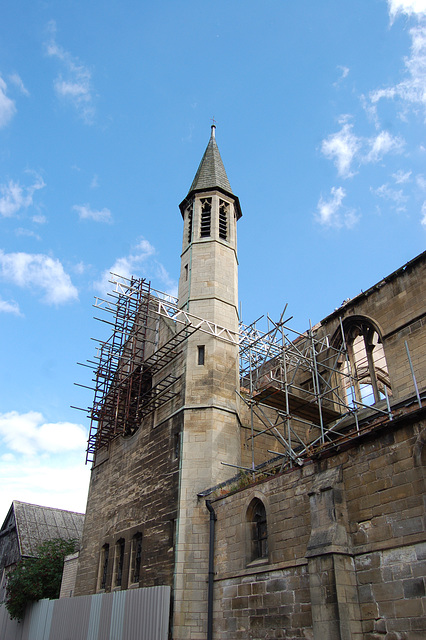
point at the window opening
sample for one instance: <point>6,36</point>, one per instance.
<point>367,378</point>
<point>189,210</point>
<point>104,556</point>
<point>136,557</point>
<point>186,272</point>
<point>206,211</point>
<point>256,516</point>
<point>223,220</point>
<point>119,560</point>
<point>201,354</point>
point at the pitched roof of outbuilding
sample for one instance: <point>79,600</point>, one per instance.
<point>36,524</point>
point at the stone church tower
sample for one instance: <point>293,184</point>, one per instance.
<point>208,288</point>
<point>145,524</point>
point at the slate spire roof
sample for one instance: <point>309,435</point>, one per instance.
<point>211,172</point>
<point>211,175</point>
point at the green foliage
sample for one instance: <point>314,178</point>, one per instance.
<point>35,578</point>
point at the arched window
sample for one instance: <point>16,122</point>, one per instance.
<point>258,530</point>
<point>136,558</point>
<point>119,562</point>
<point>206,211</point>
<point>103,567</point>
<point>366,378</point>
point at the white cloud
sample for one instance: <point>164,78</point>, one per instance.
<point>52,480</point>
<point>341,147</point>
<point>86,213</point>
<point>39,219</point>
<point>75,84</point>
<point>138,264</point>
<point>14,196</point>
<point>401,177</point>
<point>331,212</point>
<point>411,92</point>
<point>423,220</point>
<point>40,271</point>
<point>407,7</point>
<point>95,182</point>
<point>395,196</point>
<point>7,106</point>
<point>29,434</point>
<point>344,72</point>
<point>20,231</point>
<point>381,144</point>
<point>17,81</point>
<point>421,182</point>
<point>9,307</point>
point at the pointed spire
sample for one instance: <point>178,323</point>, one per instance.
<point>211,175</point>
<point>211,172</point>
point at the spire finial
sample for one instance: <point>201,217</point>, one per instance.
<point>213,127</point>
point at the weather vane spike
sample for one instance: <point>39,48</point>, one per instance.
<point>214,121</point>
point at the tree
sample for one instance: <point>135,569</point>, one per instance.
<point>35,578</point>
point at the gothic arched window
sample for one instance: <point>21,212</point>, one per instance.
<point>366,377</point>
<point>119,562</point>
<point>206,213</point>
<point>136,558</point>
<point>258,530</point>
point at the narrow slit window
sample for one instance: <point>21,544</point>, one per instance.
<point>136,560</point>
<point>206,215</point>
<point>189,224</point>
<point>223,220</point>
<point>201,354</point>
<point>104,566</point>
<point>186,272</point>
<point>119,559</point>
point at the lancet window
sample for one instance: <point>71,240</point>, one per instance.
<point>223,220</point>
<point>206,215</point>
<point>258,530</point>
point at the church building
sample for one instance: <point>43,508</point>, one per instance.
<point>273,480</point>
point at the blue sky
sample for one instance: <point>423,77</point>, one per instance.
<point>105,112</point>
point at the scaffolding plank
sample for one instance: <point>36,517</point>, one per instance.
<point>299,406</point>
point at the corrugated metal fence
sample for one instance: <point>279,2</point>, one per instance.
<point>135,614</point>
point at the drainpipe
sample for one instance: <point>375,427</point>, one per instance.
<point>213,519</point>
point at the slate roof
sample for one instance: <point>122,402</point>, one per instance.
<point>211,175</point>
<point>36,524</point>
<point>211,172</point>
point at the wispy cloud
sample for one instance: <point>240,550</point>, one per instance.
<point>401,177</point>
<point>140,263</point>
<point>344,148</point>
<point>14,196</point>
<point>10,307</point>
<point>17,81</point>
<point>395,197</point>
<point>7,105</point>
<point>407,7</point>
<point>85,212</point>
<point>344,72</point>
<point>423,218</point>
<point>410,93</point>
<point>41,272</point>
<point>332,213</point>
<point>74,83</point>
<point>381,144</point>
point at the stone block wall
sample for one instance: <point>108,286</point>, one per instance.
<point>346,542</point>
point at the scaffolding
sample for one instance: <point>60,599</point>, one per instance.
<point>305,390</point>
<point>301,388</point>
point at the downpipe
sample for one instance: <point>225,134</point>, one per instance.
<point>213,519</point>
